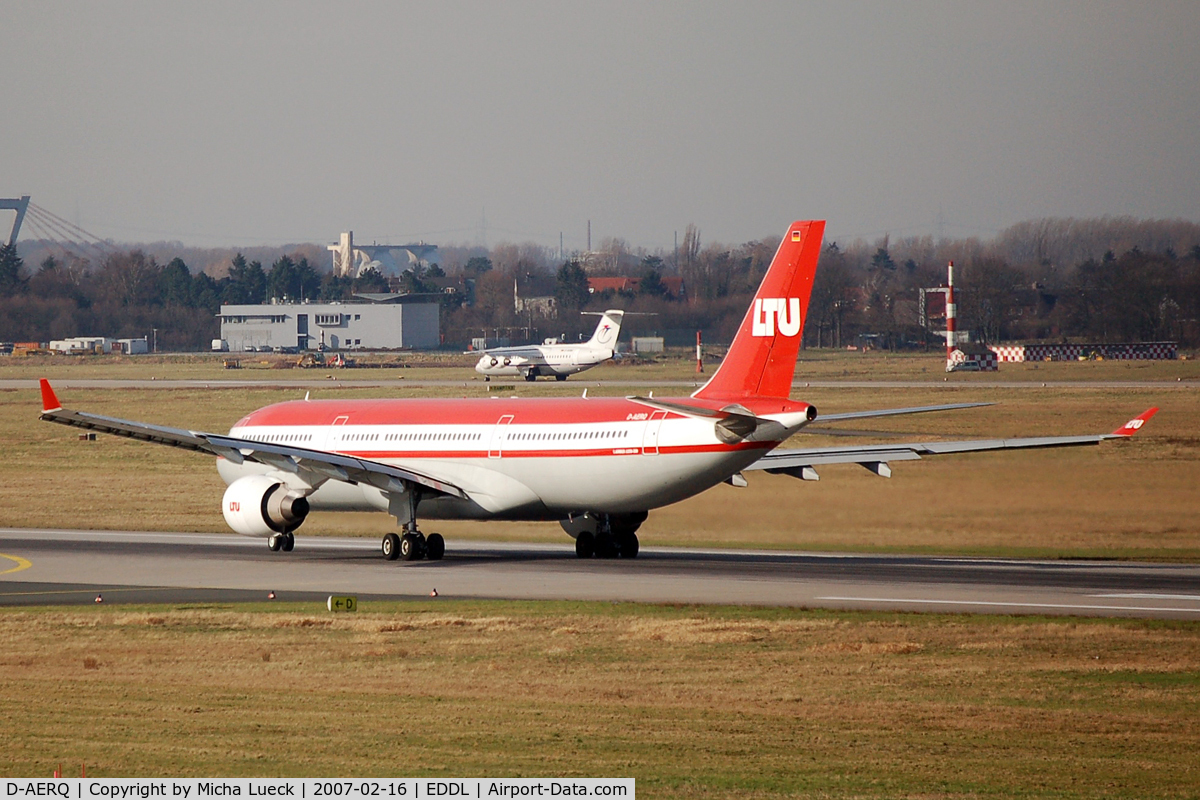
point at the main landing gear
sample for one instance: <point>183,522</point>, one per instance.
<point>615,537</point>
<point>413,545</point>
<point>281,541</point>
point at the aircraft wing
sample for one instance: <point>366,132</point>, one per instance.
<point>519,352</point>
<point>332,466</point>
<point>801,463</point>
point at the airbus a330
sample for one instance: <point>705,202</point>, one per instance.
<point>597,466</point>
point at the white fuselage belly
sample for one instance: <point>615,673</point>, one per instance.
<point>528,471</point>
<point>550,360</point>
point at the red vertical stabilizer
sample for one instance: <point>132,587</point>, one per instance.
<point>762,359</point>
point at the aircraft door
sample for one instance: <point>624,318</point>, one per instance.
<point>496,448</point>
<point>333,436</point>
<point>650,433</point>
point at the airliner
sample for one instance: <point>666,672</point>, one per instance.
<point>552,357</point>
<point>597,465</point>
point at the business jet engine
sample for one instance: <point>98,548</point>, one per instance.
<point>259,505</point>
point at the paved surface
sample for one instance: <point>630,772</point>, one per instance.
<point>60,566</point>
<point>391,382</point>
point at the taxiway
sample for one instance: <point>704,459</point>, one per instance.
<point>65,566</point>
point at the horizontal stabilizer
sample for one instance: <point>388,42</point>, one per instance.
<point>891,412</point>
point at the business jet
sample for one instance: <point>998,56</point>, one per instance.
<point>552,357</point>
<point>595,465</point>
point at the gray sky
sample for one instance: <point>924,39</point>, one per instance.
<point>260,122</point>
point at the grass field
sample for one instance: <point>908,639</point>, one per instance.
<point>1129,499</point>
<point>692,702</point>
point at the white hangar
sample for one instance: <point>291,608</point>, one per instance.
<point>391,322</point>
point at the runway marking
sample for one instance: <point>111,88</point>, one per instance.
<point>22,563</point>
<point>1013,604</point>
<point>1147,596</point>
<point>102,590</point>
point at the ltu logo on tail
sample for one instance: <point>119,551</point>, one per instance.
<point>771,313</point>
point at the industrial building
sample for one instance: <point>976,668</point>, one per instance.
<point>79,345</point>
<point>387,322</point>
<point>355,259</point>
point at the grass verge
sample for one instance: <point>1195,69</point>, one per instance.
<point>691,701</point>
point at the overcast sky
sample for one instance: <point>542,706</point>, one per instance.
<point>265,123</point>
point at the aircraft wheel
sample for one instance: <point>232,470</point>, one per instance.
<point>606,546</point>
<point>391,547</point>
<point>560,377</point>
<point>435,547</point>
<point>531,376</point>
<point>628,545</point>
<point>410,547</point>
<point>289,542</point>
<point>585,545</point>
<point>275,541</point>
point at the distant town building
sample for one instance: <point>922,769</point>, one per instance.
<point>389,260</point>
<point>388,322</point>
<point>672,283</point>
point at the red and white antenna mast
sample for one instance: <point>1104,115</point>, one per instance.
<point>951,313</point>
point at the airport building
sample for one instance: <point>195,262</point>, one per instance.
<point>382,322</point>
<point>79,345</point>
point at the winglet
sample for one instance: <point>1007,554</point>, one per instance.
<point>1135,424</point>
<point>49,399</point>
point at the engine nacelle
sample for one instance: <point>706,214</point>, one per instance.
<point>258,505</point>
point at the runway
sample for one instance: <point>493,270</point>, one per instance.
<point>68,567</point>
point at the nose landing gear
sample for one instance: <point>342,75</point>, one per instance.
<point>281,541</point>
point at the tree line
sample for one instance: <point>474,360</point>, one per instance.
<point>1107,279</point>
<point>128,294</point>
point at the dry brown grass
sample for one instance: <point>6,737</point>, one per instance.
<point>691,702</point>
<point>1135,499</point>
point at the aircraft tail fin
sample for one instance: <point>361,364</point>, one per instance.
<point>762,359</point>
<point>609,329</point>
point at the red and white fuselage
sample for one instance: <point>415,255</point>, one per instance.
<point>532,459</point>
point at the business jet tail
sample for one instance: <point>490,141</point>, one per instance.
<point>608,330</point>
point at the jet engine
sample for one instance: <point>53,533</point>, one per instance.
<point>259,505</point>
